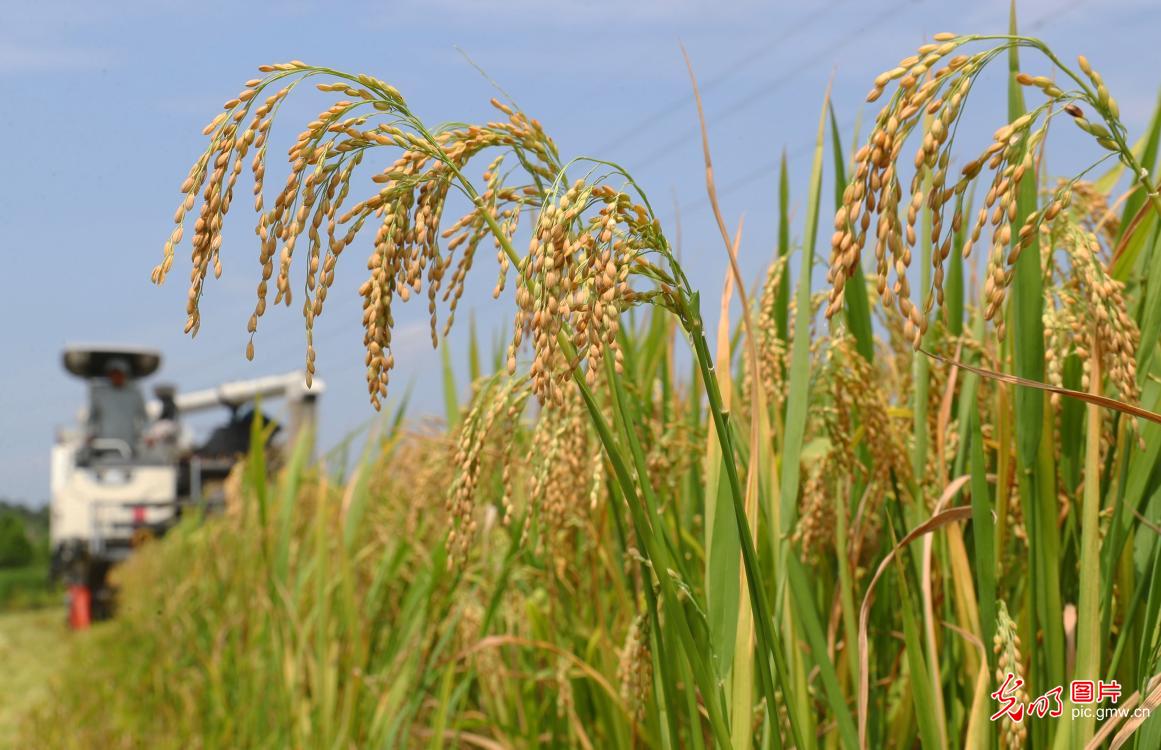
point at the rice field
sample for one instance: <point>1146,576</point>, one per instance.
<point>904,494</point>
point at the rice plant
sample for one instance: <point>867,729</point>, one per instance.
<point>848,525</point>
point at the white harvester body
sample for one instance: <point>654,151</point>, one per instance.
<point>100,504</point>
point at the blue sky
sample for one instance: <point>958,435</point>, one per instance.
<point>104,105</point>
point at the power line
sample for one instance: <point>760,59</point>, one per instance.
<point>1048,18</point>
<point>754,96</point>
<point>764,169</point>
<point>677,104</point>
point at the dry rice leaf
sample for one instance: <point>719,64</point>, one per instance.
<point>1105,401</point>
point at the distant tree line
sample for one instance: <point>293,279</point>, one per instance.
<point>22,531</point>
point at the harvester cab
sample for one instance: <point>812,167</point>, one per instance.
<point>131,467</point>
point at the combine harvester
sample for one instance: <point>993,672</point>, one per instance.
<point>131,468</point>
